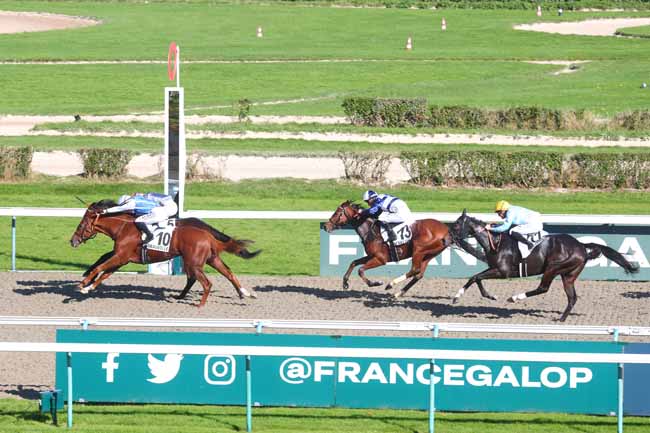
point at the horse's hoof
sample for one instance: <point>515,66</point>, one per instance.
<point>243,293</point>
<point>397,295</point>
<point>455,300</point>
<point>85,289</point>
<point>388,287</point>
<point>374,283</point>
<point>493,298</point>
<point>346,286</point>
<point>253,295</point>
<point>511,299</point>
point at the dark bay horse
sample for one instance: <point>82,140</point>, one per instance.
<point>430,238</point>
<point>197,242</point>
<point>560,254</point>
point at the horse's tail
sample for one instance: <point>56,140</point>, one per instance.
<point>238,248</point>
<point>595,250</point>
<point>233,246</point>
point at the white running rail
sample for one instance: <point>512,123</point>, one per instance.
<point>260,324</point>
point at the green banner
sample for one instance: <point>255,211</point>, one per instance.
<point>339,248</point>
<point>347,382</point>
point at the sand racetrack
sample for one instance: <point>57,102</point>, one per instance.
<point>298,298</point>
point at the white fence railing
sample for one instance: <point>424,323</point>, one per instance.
<point>14,212</point>
<point>634,220</point>
<point>338,325</point>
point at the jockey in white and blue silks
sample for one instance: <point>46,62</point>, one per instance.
<point>526,221</point>
<point>387,209</point>
<point>148,208</point>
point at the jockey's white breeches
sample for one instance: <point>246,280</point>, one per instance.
<point>534,226</point>
<point>400,213</point>
<point>158,214</point>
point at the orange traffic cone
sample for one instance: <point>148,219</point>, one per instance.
<point>539,11</point>
<point>409,43</point>
<point>259,32</point>
<point>444,25</point>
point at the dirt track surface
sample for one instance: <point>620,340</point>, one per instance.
<point>292,298</point>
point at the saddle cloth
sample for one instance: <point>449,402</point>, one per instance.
<point>162,235</point>
<point>402,231</point>
<point>535,238</point>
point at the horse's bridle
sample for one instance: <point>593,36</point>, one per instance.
<point>490,238</point>
<point>92,228</point>
<point>340,212</point>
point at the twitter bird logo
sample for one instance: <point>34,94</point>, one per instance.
<point>165,370</point>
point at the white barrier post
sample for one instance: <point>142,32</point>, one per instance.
<point>249,395</point>
<point>69,357</point>
<point>619,411</point>
<point>432,398</point>
<point>13,243</point>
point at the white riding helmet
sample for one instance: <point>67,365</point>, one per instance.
<point>369,195</point>
<point>123,199</point>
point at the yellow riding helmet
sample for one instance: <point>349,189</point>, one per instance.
<point>502,205</point>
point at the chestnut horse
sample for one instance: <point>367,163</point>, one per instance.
<point>197,242</point>
<point>430,238</point>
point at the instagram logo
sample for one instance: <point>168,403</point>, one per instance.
<point>219,369</point>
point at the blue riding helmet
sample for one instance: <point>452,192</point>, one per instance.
<point>369,195</point>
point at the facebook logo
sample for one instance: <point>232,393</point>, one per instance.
<point>110,366</point>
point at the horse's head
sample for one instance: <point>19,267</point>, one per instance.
<point>345,214</point>
<point>466,226</point>
<point>86,228</point>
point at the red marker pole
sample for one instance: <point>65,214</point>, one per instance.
<point>173,63</point>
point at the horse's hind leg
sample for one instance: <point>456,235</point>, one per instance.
<point>223,268</point>
<point>419,266</point>
<point>568,280</point>
<point>186,289</point>
<point>197,271</point>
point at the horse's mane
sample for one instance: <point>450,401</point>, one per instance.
<point>475,220</point>
<point>353,205</point>
<point>102,204</point>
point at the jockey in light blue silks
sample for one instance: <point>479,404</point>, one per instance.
<point>526,221</point>
<point>148,208</point>
<point>387,209</point>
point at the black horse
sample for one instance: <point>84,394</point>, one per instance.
<point>555,255</point>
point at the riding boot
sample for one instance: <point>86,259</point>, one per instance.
<point>521,238</point>
<point>145,230</point>
<point>392,249</point>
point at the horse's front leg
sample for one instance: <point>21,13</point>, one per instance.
<point>370,264</point>
<point>99,261</point>
<point>353,265</point>
<point>489,273</point>
<point>111,265</point>
<point>95,283</point>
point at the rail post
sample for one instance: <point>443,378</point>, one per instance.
<point>432,397</point>
<point>69,358</point>
<point>249,395</point>
<point>13,243</point>
<point>619,410</point>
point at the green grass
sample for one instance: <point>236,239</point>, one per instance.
<point>604,87</point>
<point>476,62</point>
<point>43,243</point>
<point>641,31</point>
<point>19,416</point>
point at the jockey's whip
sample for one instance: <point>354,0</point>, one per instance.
<point>81,200</point>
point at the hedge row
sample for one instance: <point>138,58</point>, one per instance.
<point>15,162</point>
<point>415,113</point>
<point>398,113</point>
<point>493,4</point>
<point>529,169</point>
<point>105,162</point>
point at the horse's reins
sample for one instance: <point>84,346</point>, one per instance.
<point>490,238</point>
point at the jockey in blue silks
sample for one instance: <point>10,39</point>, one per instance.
<point>148,208</point>
<point>387,209</point>
<point>526,221</point>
